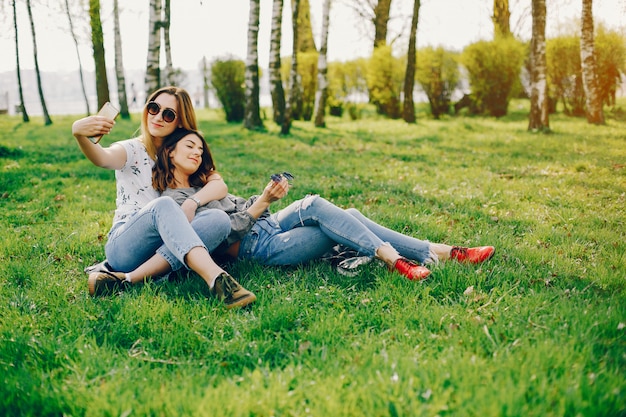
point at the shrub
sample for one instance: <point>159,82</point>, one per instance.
<point>610,49</point>
<point>384,81</point>
<point>228,79</point>
<point>437,71</point>
<point>493,68</point>
<point>564,74</point>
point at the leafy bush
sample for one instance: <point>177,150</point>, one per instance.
<point>384,81</point>
<point>494,68</point>
<point>228,79</point>
<point>437,71</point>
<point>564,75</point>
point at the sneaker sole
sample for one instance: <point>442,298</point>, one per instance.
<point>242,302</point>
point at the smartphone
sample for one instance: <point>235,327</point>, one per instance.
<point>109,111</point>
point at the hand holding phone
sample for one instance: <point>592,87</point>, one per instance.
<point>108,111</point>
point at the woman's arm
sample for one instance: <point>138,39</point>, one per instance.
<point>215,189</point>
<point>273,191</point>
<point>113,157</point>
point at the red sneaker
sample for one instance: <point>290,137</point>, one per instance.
<point>472,255</point>
<point>411,270</point>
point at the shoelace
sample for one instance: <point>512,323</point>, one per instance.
<point>227,285</point>
<point>458,251</point>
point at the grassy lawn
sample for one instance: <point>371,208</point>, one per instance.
<point>540,330</point>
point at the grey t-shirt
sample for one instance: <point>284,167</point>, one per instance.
<point>236,207</point>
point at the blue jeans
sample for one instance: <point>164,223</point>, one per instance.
<point>162,227</point>
<point>310,227</point>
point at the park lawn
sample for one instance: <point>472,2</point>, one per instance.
<point>540,330</point>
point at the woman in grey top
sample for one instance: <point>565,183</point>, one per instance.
<point>305,230</point>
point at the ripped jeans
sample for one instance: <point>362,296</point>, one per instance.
<point>310,227</point>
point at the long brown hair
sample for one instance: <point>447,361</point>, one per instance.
<point>185,116</point>
<point>163,170</point>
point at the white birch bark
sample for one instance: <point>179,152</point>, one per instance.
<point>593,108</point>
<point>153,73</point>
<point>252,118</point>
<point>321,95</point>
<point>538,117</point>
<point>276,82</point>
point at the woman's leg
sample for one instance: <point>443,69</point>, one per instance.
<point>162,219</point>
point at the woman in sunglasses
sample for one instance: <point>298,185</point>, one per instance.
<point>305,230</point>
<point>149,231</point>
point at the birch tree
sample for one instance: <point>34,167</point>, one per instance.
<point>538,118</point>
<point>44,108</point>
<point>293,74</point>
<point>153,70</point>
<point>80,63</point>
<point>322,70</point>
<point>408,109</point>
<point>252,118</point>
<point>165,24</point>
<point>119,64</point>
<point>25,117</point>
<point>276,82</point>
<point>501,18</point>
<point>97,40</point>
<point>593,110</point>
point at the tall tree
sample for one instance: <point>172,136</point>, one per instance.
<point>322,70</point>
<point>408,109</point>
<point>80,63</point>
<point>293,74</point>
<point>252,117</point>
<point>97,40</point>
<point>593,110</point>
<point>25,117</point>
<point>153,70</point>
<point>206,81</point>
<point>501,18</point>
<point>381,21</point>
<point>165,24</point>
<point>276,81</point>
<point>46,116</point>
<point>538,118</point>
<point>119,64</point>
<point>306,42</point>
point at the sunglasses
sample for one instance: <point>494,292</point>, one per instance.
<point>154,108</point>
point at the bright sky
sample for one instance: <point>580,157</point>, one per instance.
<point>216,28</point>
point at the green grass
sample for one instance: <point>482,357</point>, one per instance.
<point>537,331</point>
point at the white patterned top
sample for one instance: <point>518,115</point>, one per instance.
<point>134,181</point>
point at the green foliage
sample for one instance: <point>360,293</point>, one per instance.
<point>307,73</point>
<point>437,71</point>
<point>384,80</point>
<point>565,73</point>
<point>493,68</point>
<point>610,49</point>
<point>228,79</point>
<point>540,330</point>
<point>347,83</point>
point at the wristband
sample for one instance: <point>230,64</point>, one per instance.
<point>195,200</point>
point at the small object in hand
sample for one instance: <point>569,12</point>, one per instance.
<point>278,177</point>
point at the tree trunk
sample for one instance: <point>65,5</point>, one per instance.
<point>25,117</point>
<point>169,67</point>
<point>501,19</point>
<point>593,110</point>
<point>97,39</point>
<point>153,71</point>
<point>46,116</point>
<point>206,76</point>
<point>408,110</point>
<point>322,70</point>
<point>276,82</point>
<point>80,63</point>
<point>119,64</point>
<point>293,75</point>
<point>381,22</point>
<point>252,118</point>
<point>538,117</point>
<point>306,42</point>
